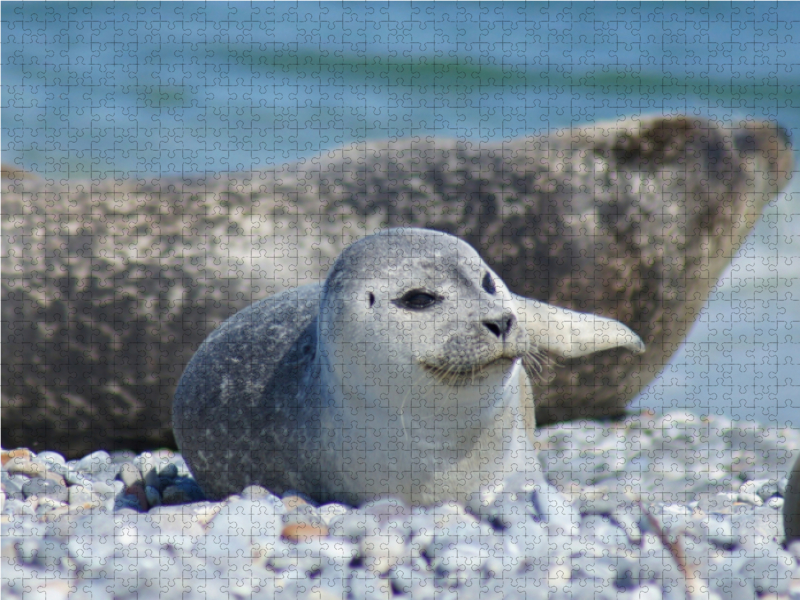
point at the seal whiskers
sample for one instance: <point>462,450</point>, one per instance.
<point>535,362</point>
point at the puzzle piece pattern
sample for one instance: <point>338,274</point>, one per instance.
<point>128,525</point>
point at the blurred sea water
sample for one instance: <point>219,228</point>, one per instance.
<point>135,90</point>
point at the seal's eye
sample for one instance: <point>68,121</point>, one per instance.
<point>417,300</point>
<point>488,284</point>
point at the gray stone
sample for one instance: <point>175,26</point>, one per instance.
<point>36,468</point>
<point>367,585</point>
<point>765,488</point>
<point>414,578</point>
<point>383,548</point>
<point>18,507</point>
<point>302,514</point>
<point>153,496</point>
<point>718,503</point>
<point>603,529</point>
<point>156,459</point>
<point>771,572</point>
<point>129,474</point>
<point>181,491</point>
<point>151,479</point>
<point>47,488</point>
<point>104,487</point>
<point>353,526</point>
<point>175,495</point>
<point>598,500</point>
<point>51,457</point>
<point>251,520</point>
<point>18,480</point>
<point>94,461</point>
<point>12,488</point>
<point>169,471</point>
<point>328,512</point>
<point>75,477</point>
<point>96,589</point>
<point>628,516</point>
<point>176,522</point>
<point>719,531</point>
<point>53,469</point>
<point>226,241</point>
<point>128,501</point>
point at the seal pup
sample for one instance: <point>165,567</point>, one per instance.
<point>110,286</point>
<point>400,375</point>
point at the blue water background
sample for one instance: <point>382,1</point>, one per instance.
<point>134,90</point>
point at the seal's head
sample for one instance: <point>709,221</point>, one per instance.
<point>415,307</point>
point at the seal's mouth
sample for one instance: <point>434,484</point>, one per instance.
<point>456,375</point>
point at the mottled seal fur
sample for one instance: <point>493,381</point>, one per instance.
<point>400,376</point>
<point>110,286</point>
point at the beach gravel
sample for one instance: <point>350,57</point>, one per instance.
<point>669,506</point>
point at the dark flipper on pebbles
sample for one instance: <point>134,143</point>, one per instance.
<point>791,505</point>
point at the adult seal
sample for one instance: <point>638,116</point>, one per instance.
<point>109,286</point>
<point>400,375</point>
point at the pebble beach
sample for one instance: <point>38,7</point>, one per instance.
<point>669,506</point>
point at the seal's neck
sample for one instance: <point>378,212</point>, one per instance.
<point>407,434</point>
<point>419,409</point>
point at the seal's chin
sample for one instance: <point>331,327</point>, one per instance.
<point>461,374</point>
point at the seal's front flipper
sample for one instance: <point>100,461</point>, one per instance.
<point>571,334</point>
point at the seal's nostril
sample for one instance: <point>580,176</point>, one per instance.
<point>500,327</point>
<point>493,327</point>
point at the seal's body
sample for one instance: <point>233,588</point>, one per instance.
<point>401,376</point>
<point>109,286</point>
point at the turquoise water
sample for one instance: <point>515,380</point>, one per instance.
<point>98,88</point>
<point>132,90</point>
